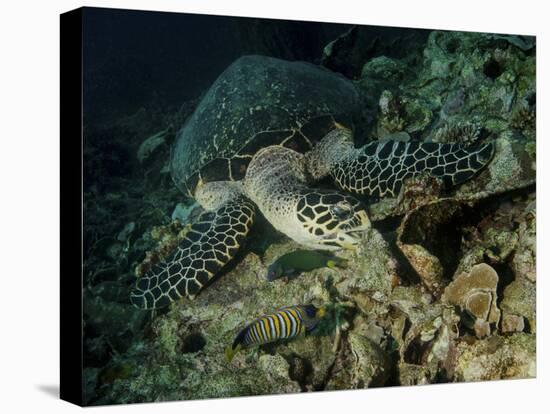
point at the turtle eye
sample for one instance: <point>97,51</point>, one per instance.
<point>342,210</point>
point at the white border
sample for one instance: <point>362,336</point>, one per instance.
<point>29,174</point>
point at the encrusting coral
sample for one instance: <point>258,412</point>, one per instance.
<point>476,294</point>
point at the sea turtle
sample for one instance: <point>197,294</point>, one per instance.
<point>265,132</point>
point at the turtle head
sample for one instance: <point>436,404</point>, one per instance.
<point>330,220</point>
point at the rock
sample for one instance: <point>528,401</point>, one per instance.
<point>412,374</point>
<point>425,332</point>
<point>270,376</point>
<point>429,345</point>
<point>500,244</point>
<point>126,231</point>
<point>384,69</point>
<point>524,260</point>
<point>524,118</point>
<point>475,293</point>
<point>119,322</point>
<point>150,144</point>
<point>185,213</point>
<point>350,52</point>
<point>441,358</point>
<point>375,333</point>
<point>391,119</point>
<point>525,43</point>
<point>482,328</point>
<point>495,237</point>
<point>89,384</point>
<point>363,365</point>
<point>424,239</point>
<point>401,136</point>
<point>242,294</point>
<point>512,323</point>
<point>519,298</point>
<point>512,167</point>
<point>316,357</point>
<point>453,104</point>
<point>497,358</point>
<point>111,291</point>
<point>114,250</point>
<point>401,113</point>
<point>370,270</point>
<point>276,367</point>
<point>426,265</point>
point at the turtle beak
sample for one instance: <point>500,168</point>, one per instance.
<point>352,236</point>
<point>364,222</point>
<point>348,241</point>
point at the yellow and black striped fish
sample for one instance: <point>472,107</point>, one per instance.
<point>284,323</point>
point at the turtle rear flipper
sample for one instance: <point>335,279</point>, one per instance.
<point>208,246</point>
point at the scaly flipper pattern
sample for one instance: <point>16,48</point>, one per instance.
<point>379,169</point>
<point>207,247</point>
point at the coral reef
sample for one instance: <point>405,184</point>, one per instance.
<point>497,358</point>
<point>463,133</point>
<point>441,289</point>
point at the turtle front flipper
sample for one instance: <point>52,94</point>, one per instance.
<point>380,168</point>
<point>207,247</point>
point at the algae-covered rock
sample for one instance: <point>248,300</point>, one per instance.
<point>362,364</point>
<point>433,360</point>
<point>512,323</point>
<point>186,213</point>
<point>412,374</point>
<point>397,114</point>
<point>150,145</point>
<point>513,167</point>
<point>524,261</point>
<point>425,332</point>
<point>312,359</point>
<point>241,294</point>
<point>519,298</point>
<point>427,265</point>
<point>126,231</point>
<point>497,358</point>
<point>468,88</point>
<point>120,322</point>
<point>427,239</point>
<point>385,69</point>
<point>349,52</point>
<point>89,384</point>
<point>370,270</point>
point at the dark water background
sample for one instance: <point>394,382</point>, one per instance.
<point>132,57</point>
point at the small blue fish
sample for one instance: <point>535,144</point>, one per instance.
<point>284,323</point>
